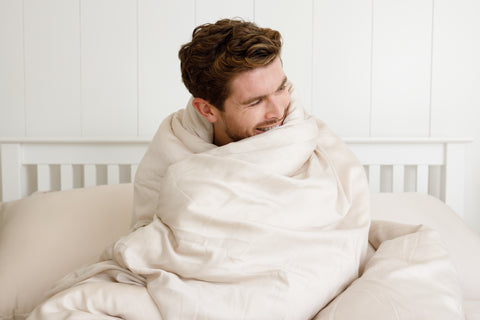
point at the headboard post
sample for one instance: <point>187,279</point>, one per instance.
<point>10,161</point>
<point>455,176</point>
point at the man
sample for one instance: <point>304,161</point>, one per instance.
<point>245,207</point>
<point>234,72</point>
<point>241,90</point>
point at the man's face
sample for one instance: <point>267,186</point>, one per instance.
<point>258,101</point>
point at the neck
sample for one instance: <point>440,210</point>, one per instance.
<point>219,137</point>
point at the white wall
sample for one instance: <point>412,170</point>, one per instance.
<point>367,67</point>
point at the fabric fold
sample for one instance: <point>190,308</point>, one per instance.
<point>410,276</point>
<point>273,226</point>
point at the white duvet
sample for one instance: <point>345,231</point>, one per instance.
<point>410,276</point>
<point>271,227</point>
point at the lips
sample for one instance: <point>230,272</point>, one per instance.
<point>274,125</point>
<point>268,128</point>
<point>265,129</point>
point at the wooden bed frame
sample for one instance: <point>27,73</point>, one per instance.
<point>426,165</point>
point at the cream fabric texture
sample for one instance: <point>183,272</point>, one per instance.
<point>25,277</point>
<point>29,223</point>
<point>270,227</point>
<point>410,276</point>
<point>462,243</point>
<point>208,254</point>
<point>48,235</point>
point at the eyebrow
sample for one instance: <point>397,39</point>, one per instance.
<point>284,82</point>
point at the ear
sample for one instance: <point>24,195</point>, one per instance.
<point>207,111</point>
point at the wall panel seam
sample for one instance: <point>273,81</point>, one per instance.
<point>253,8</point>
<point>81,67</point>
<point>372,19</point>
<point>24,72</point>
<point>312,102</point>
<point>138,66</point>
<point>430,106</point>
<point>195,12</point>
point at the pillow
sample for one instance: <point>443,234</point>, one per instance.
<point>47,235</point>
<point>462,243</point>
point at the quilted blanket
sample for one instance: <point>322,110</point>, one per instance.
<point>274,226</point>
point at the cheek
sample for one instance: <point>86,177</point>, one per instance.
<point>245,122</point>
<point>256,118</point>
<point>251,120</point>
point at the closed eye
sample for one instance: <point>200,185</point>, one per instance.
<point>256,102</point>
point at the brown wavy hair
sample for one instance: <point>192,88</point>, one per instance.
<point>220,51</point>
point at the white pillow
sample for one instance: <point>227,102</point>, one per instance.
<point>463,244</point>
<point>47,235</point>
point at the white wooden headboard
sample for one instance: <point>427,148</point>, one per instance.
<point>427,165</point>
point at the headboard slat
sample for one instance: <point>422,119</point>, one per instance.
<point>422,178</point>
<point>66,176</point>
<point>392,164</point>
<point>398,178</point>
<point>89,175</point>
<point>43,177</point>
<point>113,174</point>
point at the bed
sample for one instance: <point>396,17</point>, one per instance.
<point>56,191</point>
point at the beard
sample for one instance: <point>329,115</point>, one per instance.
<point>235,134</point>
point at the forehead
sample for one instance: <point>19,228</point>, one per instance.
<point>257,82</point>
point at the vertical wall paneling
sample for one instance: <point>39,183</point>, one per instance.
<point>12,116</point>
<point>401,67</point>
<point>454,112</point>
<point>472,203</point>
<point>52,68</point>
<point>213,10</point>
<point>109,67</point>
<point>341,65</point>
<point>295,24</point>
<point>452,76</point>
<point>455,91</point>
<point>163,27</point>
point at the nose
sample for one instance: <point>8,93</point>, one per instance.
<point>274,108</point>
